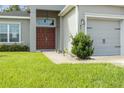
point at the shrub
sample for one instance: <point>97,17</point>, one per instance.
<point>82,46</point>
<point>14,47</point>
<point>4,48</point>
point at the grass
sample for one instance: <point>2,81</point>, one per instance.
<point>24,69</point>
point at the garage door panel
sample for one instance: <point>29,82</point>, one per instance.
<point>109,50</point>
<point>105,35</point>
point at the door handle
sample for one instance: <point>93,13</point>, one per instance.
<point>117,46</point>
<point>46,38</point>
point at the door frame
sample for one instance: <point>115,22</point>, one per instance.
<point>48,27</point>
<point>45,41</point>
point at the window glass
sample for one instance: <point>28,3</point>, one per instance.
<point>51,22</point>
<point>14,32</point>
<point>41,21</point>
<point>45,22</point>
<point>3,32</point>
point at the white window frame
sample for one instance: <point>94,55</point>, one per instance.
<point>8,41</point>
<point>46,25</point>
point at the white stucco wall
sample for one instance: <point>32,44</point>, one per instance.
<point>69,28</point>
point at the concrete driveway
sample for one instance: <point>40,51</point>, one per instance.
<point>61,59</point>
<point>117,60</point>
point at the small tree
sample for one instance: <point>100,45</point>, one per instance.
<point>12,8</point>
<point>82,46</point>
<point>15,8</point>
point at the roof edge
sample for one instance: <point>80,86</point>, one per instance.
<point>15,17</point>
<point>66,10</point>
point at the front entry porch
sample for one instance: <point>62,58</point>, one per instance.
<point>45,30</point>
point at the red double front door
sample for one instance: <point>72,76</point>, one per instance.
<point>45,38</point>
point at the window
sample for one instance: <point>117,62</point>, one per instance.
<point>9,32</point>
<point>3,32</point>
<point>46,22</point>
<point>14,32</point>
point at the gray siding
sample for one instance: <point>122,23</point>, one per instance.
<point>25,29</point>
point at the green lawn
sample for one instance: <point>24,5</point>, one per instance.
<point>35,70</point>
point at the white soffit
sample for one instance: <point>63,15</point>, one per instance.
<point>66,10</point>
<point>104,16</point>
<point>15,17</point>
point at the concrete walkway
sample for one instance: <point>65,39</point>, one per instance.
<point>58,58</point>
<point>61,59</point>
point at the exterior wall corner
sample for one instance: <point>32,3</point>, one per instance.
<point>122,38</point>
<point>33,30</point>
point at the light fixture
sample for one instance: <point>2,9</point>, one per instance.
<point>82,22</point>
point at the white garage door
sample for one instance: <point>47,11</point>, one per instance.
<point>105,35</point>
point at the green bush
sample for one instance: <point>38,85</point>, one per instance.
<point>14,47</point>
<point>82,46</point>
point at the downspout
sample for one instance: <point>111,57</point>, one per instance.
<point>85,29</point>
<point>61,34</point>
<point>77,18</point>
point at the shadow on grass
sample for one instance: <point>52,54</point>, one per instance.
<point>3,56</point>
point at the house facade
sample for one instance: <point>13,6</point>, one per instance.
<point>50,27</point>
